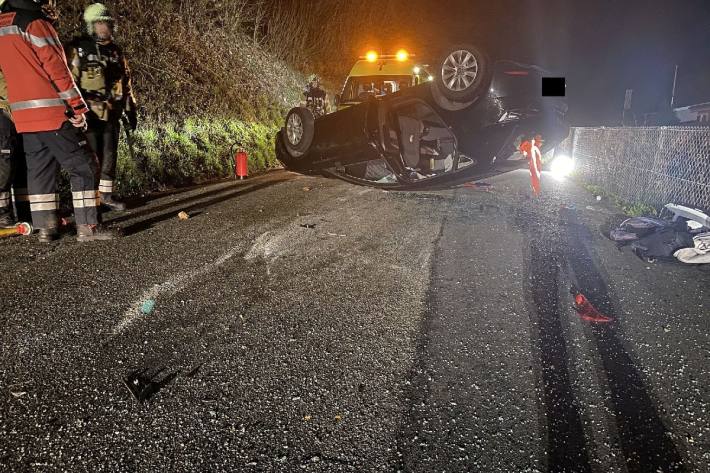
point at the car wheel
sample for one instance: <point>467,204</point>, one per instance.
<point>446,103</point>
<point>298,131</point>
<point>463,74</point>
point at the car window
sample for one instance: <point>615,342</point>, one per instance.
<point>376,171</point>
<point>359,88</point>
<point>426,145</point>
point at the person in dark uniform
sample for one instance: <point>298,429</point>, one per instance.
<point>101,71</point>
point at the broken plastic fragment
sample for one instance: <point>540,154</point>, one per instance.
<point>183,215</point>
<point>587,311</point>
<point>139,385</point>
<point>143,386</point>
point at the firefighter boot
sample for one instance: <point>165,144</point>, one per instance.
<point>48,235</point>
<point>93,233</point>
<point>6,218</point>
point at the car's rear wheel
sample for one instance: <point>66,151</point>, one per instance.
<point>463,74</point>
<point>298,131</point>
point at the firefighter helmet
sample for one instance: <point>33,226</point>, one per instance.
<point>96,12</point>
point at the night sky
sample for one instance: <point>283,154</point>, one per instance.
<point>603,47</point>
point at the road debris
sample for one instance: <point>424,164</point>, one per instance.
<point>307,189</point>
<point>586,310</point>
<point>148,306</point>
<point>699,254</point>
<point>338,418</point>
<point>183,215</point>
<point>594,209</point>
<point>336,234</point>
<point>18,394</point>
<point>307,418</point>
<point>308,225</point>
<point>142,387</point>
<point>651,238</point>
<point>484,186</point>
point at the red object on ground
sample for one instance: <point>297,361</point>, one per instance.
<point>24,229</point>
<point>531,150</point>
<point>587,311</point>
<point>241,167</point>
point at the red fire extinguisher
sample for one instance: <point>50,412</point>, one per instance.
<point>241,163</point>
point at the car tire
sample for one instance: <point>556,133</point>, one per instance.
<point>298,131</point>
<point>463,74</point>
<point>445,103</point>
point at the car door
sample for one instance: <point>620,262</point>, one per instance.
<point>344,137</point>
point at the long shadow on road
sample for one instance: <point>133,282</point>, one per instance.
<point>645,440</point>
<point>567,449</point>
<point>200,204</point>
<point>556,253</point>
<point>202,195</point>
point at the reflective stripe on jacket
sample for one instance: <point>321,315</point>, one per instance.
<point>40,86</point>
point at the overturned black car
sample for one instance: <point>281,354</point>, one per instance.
<point>466,123</point>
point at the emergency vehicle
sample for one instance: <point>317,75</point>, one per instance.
<point>378,75</point>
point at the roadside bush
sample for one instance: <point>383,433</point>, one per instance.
<point>207,74</point>
<point>196,150</point>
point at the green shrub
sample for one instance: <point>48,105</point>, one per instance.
<point>175,154</point>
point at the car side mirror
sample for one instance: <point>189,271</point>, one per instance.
<point>337,99</point>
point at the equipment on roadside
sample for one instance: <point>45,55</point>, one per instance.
<point>22,228</point>
<point>241,161</point>
<point>693,215</point>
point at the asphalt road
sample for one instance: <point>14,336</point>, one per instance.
<point>304,324</point>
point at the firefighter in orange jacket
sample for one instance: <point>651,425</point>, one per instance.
<point>49,114</point>
<point>13,174</point>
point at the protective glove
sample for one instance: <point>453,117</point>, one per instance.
<point>79,121</point>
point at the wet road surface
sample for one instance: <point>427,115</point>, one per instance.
<point>304,324</point>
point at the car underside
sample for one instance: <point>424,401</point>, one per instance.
<point>466,124</point>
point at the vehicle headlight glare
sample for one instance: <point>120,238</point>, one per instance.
<point>562,166</point>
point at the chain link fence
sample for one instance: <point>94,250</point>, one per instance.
<point>650,165</point>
